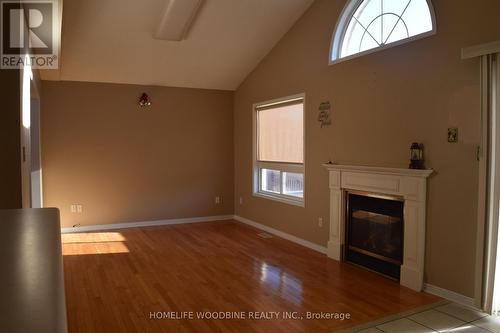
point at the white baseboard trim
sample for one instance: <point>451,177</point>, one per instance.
<point>449,295</point>
<point>100,227</point>
<point>281,234</point>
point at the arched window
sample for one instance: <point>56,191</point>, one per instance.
<point>368,25</point>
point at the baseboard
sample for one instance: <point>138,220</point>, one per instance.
<point>449,295</point>
<point>100,227</point>
<point>281,234</point>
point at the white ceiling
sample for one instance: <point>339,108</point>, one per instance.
<point>112,41</point>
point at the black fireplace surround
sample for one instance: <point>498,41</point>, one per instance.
<point>374,233</point>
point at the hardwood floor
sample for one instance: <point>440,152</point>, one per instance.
<point>115,280</point>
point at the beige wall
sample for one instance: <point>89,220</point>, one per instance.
<point>380,104</point>
<point>124,163</point>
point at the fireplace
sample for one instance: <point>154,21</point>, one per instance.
<point>404,190</point>
<point>374,232</point>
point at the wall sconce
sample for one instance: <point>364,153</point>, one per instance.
<point>144,100</point>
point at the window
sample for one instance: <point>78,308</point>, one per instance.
<point>369,25</point>
<point>279,150</point>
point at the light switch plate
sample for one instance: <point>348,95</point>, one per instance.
<point>453,134</point>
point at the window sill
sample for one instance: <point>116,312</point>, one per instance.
<point>280,198</point>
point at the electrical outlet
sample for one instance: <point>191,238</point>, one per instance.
<point>320,222</point>
<point>241,200</point>
<point>218,200</point>
<point>73,208</point>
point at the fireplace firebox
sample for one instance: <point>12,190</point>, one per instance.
<point>374,232</point>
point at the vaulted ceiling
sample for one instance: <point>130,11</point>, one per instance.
<point>112,41</point>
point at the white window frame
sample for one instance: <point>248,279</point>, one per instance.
<point>341,28</point>
<point>280,166</point>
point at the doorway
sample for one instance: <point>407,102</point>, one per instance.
<point>487,286</point>
<point>31,171</point>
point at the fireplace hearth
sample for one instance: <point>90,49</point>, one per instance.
<point>374,232</point>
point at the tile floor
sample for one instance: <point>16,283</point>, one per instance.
<point>449,317</point>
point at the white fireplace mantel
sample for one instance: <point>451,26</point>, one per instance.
<point>411,185</point>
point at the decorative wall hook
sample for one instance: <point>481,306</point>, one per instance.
<point>144,100</point>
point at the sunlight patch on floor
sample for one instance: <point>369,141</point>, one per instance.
<point>92,237</point>
<point>93,243</point>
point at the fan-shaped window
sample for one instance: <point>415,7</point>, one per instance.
<point>368,25</point>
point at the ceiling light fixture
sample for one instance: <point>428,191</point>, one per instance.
<point>176,19</point>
